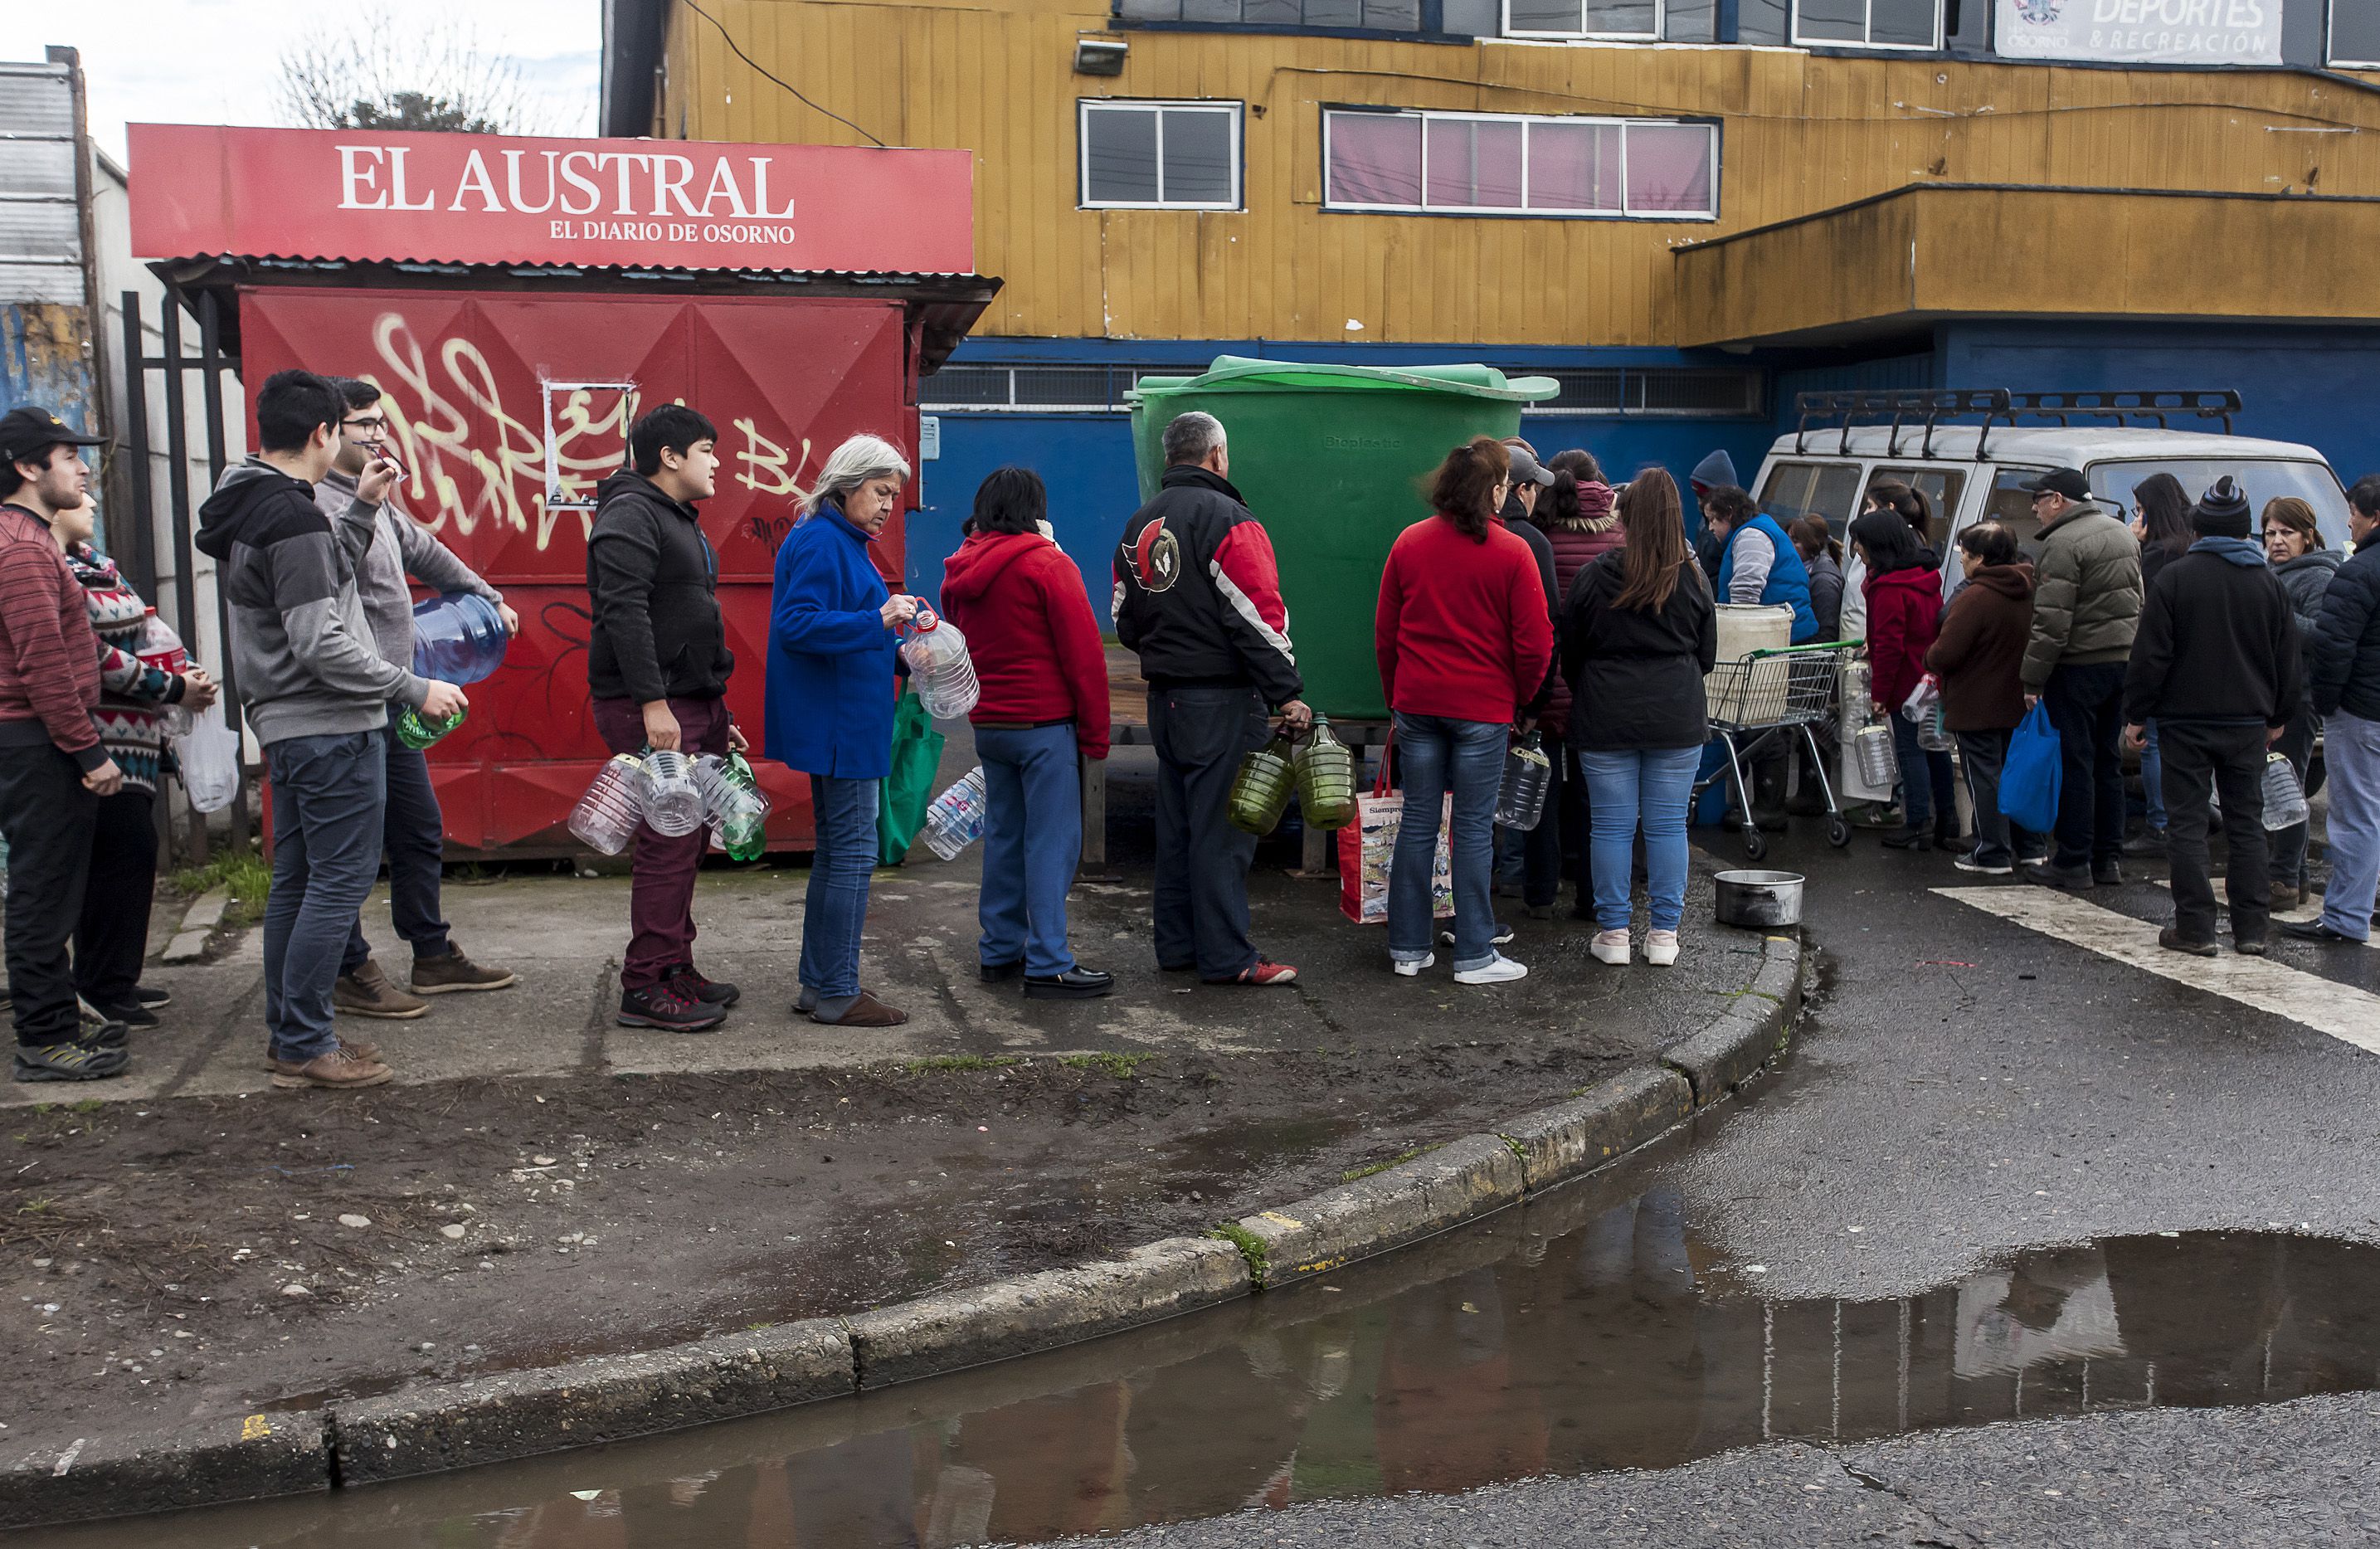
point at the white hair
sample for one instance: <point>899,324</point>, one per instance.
<point>854,463</point>
<point>1192,437</point>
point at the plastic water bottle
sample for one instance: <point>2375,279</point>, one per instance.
<point>1934,731</point>
<point>2285,801</point>
<point>417,731</point>
<point>939,668</point>
<point>1527,774</point>
<point>606,817</point>
<point>458,638</point>
<point>956,819</point>
<point>672,803</point>
<point>734,805</point>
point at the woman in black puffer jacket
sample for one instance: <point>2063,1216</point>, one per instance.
<point>2294,548</point>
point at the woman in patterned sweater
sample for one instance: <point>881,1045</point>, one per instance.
<point>112,937</point>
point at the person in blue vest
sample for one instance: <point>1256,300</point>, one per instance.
<point>1756,562</point>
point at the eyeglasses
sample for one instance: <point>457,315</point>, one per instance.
<point>375,424</point>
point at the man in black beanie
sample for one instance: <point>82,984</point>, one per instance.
<point>2215,666</point>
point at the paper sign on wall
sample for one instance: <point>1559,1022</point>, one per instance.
<point>2143,31</point>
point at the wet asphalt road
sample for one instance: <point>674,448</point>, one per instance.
<point>1965,1087</point>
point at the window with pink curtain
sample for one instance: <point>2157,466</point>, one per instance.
<point>1669,168</point>
<point>1473,164</point>
<point>1575,167</point>
<point>1374,159</point>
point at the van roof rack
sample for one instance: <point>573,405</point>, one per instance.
<point>1910,407</point>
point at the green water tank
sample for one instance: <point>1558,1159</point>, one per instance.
<point>1334,461</point>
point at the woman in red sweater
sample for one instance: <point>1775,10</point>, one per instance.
<point>1463,643</point>
<point>1903,591</point>
<point>1044,680</point>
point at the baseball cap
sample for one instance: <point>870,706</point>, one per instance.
<point>25,430</point>
<point>1526,466</point>
<point>2067,481</point>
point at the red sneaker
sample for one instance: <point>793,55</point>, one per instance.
<point>1263,973</point>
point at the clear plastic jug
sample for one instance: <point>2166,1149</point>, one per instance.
<point>673,804</point>
<point>2284,799</point>
<point>956,819</point>
<point>1879,765</point>
<point>458,638</point>
<point>734,805</point>
<point>939,668</point>
<point>1527,774</point>
<point>606,817</point>
<point>209,754</point>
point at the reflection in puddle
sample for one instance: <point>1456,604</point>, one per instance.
<point>1583,1332</point>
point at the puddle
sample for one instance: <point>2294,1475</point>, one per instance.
<point>1590,1331</point>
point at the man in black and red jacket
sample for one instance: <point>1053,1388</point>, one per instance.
<point>1197,594</point>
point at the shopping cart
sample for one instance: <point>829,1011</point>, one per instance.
<point>1770,695</point>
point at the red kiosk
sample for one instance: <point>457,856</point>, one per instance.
<point>520,301</point>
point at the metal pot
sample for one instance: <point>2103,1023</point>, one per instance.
<point>1759,899</point>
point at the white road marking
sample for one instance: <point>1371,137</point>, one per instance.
<point>2302,912</point>
<point>2347,1014</point>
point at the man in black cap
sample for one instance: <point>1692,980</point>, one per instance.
<point>2086,608</point>
<point>52,769</point>
<point>2216,666</point>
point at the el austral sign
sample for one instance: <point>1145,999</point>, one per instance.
<point>366,195</point>
<point>2142,31</point>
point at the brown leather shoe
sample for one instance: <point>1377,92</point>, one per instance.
<point>866,1012</point>
<point>368,992</point>
<point>339,1070</point>
<point>363,1049</point>
<point>451,971</point>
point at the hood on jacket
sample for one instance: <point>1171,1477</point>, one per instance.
<point>982,559</point>
<point>1712,471</point>
<point>227,512</point>
<point>1595,510</point>
<point>2245,553</point>
<point>1913,578</point>
<point>2312,559</point>
<point>627,481</point>
<point>2013,581</point>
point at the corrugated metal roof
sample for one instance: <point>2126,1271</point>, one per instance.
<point>41,230</point>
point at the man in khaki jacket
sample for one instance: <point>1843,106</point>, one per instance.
<point>2086,608</point>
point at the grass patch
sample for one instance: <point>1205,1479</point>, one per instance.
<point>243,872</point>
<point>1121,1066</point>
<point>1251,1245</point>
<point>944,1063</point>
<point>1352,1174</point>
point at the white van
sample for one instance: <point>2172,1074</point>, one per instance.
<point>1971,472</point>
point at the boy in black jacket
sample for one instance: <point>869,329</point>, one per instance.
<point>2215,666</point>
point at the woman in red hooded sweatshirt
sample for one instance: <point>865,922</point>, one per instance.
<point>1903,589</point>
<point>1044,678</point>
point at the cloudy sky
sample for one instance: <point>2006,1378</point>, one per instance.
<point>219,61</point>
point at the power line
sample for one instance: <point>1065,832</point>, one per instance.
<point>738,50</point>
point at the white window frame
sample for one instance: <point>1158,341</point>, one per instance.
<point>2329,52</point>
<point>1085,107</point>
<point>1661,21</point>
<point>1867,26</point>
<point>1428,115</point>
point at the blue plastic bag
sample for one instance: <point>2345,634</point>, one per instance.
<point>2029,780</point>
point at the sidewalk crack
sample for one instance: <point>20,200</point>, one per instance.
<point>1954,1538</point>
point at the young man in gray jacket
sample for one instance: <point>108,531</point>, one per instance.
<point>412,826</point>
<point>317,693</point>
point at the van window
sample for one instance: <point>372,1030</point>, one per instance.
<point>2259,478</point>
<point>1801,489</point>
<point>1940,486</point>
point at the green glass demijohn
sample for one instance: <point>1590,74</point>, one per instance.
<point>1326,779</point>
<point>1261,790</point>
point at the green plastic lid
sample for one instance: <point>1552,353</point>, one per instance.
<point>1238,373</point>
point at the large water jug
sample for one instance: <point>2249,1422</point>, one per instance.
<point>606,817</point>
<point>956,819</point>
<point>1879,765</point>
<point>734,805</point>
<point>939,668</point>
<point>1261,790</point>
<point>458,638</point>
<point>1527,773</point>
<point>2285,800</point>
<point>673,804</point>
<point>209,755</point>
<point>1326,779</point>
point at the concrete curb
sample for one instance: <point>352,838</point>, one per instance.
<point>428,1428</point>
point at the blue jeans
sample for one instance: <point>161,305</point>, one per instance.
<point>2153,779</point>
<point>1434,753</point>
<point>1624,788</point>
<point>1032,839</point>
<point>414,832</point>
<point>834,908</point>
<point>2351,749</point>
<point>328,793</point>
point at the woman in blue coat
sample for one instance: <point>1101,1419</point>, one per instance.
<point>831,643</point>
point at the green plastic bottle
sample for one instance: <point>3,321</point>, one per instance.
<point>417,731</point>
<point>1326,779</point>
<point>1261,790</point>
<point>745,835</point>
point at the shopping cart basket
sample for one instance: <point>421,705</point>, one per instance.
<point>1771,695</point>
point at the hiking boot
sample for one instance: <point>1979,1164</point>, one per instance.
<point>368,992</point>
<point>1262,974</point>
<point>2254,946</point>
<point>340,1070</point>
<point>450,970</point>
<point>364,1050</point>
<point>865,1012</point>
<point>667,1006</point>
<point>1075,983</point>
<point>102,1035</point>
<point>2172,940</point>
<point>710,992</point>
<point>2288,896</point>
<point>68,1062</point>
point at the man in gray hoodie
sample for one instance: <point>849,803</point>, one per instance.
<point>413,828</point>
<point>317,693</point>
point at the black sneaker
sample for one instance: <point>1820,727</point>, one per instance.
<point>2051,874</point>
<point>68,1062</point>
<point>2107,874</point>
<point>1503,936</point>
<point>2147,845</point>
<point>132,1017</point>
<point>1075,983</point>
<point>1002,974</point>
<point>665,1006</point>
<point>711,991</point>
<point>2317,930</point>
<point>152,999</point>
<point>1982,867</point>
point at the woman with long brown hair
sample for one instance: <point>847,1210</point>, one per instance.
<point>1464,642</point>
<point>1639,630</point>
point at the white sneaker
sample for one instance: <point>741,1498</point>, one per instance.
<point>1407,970</point>
<point>1661,948</point>
<point>1500,970</point>
<point>1610,946</point>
